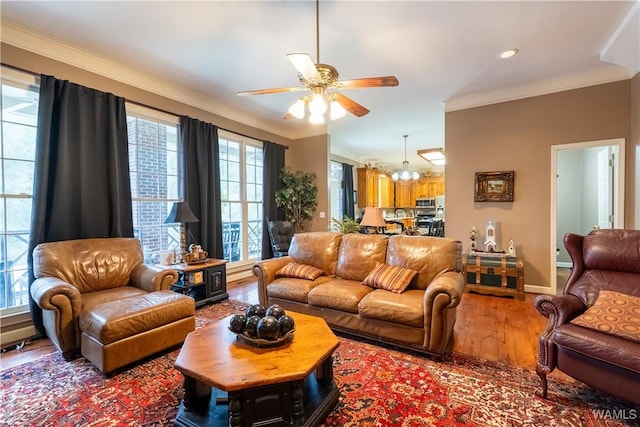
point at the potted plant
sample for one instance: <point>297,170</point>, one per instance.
<point>298,197</point>
<point>346,226</point>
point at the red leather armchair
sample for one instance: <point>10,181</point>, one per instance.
<point>603,260</point>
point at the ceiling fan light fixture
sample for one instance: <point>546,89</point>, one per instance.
<point>316,119</point>
<point>297,109</point>
<point>318,105</point>
<point>337,111</point>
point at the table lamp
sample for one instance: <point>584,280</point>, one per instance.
<point>373,218</point>
<point>181,213</point>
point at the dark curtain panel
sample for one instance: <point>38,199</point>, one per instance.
<point>202,183</point>
<point>273,158</point>
<point>347,190</point>
<point>81,180</point>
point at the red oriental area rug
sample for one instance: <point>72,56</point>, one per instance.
<point>379,386</point>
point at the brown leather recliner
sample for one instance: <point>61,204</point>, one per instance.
<point>98,298</point>
<point>603,260</point>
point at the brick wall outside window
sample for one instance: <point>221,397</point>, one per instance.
<point>154,180</point>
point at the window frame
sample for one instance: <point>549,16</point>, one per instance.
<point>30,82</point>
<point>245,226</point>
<point>149,114</point>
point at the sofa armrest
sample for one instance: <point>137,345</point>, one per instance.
<point>61,303</point>
<point>265,271</point>
<point>152,278</point>
<point>51,293</point>
<point>559,310</point>
<point>450,285</point>
<point>441,298</point>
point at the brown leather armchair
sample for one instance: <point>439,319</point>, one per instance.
<point>99,299</point>
<point>603,260</point>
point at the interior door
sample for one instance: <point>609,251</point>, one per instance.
<point>605,160</point>
<point>587,192</point>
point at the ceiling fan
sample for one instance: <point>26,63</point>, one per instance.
<point>322,81</point>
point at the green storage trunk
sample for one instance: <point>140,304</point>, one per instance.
<point>497,275</point>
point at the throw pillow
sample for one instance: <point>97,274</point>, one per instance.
<point>300,271</point>
<point>613,313</point>
<point>389,277</point>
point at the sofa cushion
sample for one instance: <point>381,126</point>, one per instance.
<point>89,264</point>
<point>359,254</point>
<point>339,294</point>
<point>598,345</point>
<point>406,308</point>
<point>613,313</point>
<point>293,289</point>
<point>318,249</point>
<point>301,271</point>
<point>389,277</point>
<point>123,318</point>
<point>429,256</point>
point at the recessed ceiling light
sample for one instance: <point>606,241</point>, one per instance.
<point>508,53</point>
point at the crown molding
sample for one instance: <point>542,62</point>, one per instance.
<point>27,40</point>
<point>544,87</point>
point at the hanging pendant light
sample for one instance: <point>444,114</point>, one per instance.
<point>405,174</point>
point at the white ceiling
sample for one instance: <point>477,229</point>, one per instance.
<point>443,54</point>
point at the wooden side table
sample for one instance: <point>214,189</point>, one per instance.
<point>494,275</point>
<point>206,282</point>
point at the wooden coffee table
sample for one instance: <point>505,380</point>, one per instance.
<point>228,382</point>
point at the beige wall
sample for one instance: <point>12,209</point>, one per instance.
<point>312,155</point>
<point>518,135</point>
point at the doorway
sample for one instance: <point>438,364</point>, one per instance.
<point>587,192</point>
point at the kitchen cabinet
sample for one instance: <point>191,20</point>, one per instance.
<point>405,194</point>
<point>430,187</point>
<point>368,187</point>
<point>386,187</point>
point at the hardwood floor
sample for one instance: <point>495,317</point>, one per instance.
<point>494,328</point>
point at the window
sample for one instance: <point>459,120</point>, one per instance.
<point>241,189</point>
<point>337,195</point>
<point>19,117</point>
<point>153,164</point>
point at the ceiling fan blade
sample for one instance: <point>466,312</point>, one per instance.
<point>350,105</point>
<point>274,90</point>
<point>304,64</point>
<point>368,82</point>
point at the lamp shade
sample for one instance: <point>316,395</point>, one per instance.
<point>181,213</point>
<point>373,218</point>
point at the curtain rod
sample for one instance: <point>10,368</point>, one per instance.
<point>151,107</point>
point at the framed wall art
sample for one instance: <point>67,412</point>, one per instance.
<point>494,186</point>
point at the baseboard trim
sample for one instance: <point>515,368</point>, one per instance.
<point>16,335</point>
<point>534,289</point>
<point>560,264</point>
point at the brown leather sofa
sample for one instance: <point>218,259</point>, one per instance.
<point>419,318</point>
<point>588,345</point>
<point>99,299</point>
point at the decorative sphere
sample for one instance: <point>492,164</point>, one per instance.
<point>286,324</point>
<point>275,310</point>
<point>251,326</point>
<point>237,323</point>
<point>268,328</point>
<point>256,310</point>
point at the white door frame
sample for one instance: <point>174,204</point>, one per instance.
<point>618,202</point>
